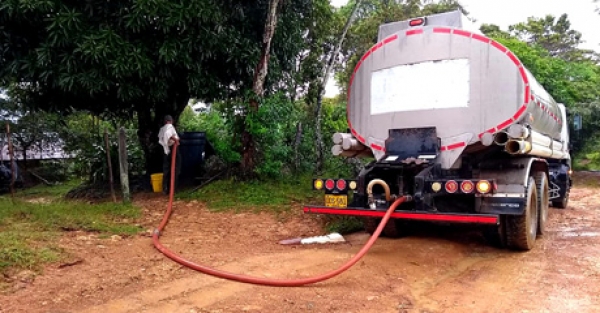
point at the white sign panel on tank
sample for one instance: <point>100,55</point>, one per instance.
<point>422,86</point>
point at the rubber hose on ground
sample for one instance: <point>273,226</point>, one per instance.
<point>259,280</point>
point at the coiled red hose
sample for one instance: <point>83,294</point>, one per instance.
<point>258,280</point>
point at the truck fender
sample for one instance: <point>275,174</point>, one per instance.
<point>511,177</point>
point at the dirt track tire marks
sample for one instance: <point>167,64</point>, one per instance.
<point>436,269</point>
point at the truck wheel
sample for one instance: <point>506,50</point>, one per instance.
<point>562,202</point>
<point>371,224</point>
<point>496,235</point>
<point>543,192</point>
<point>393,229</point>
<point>521,230</point>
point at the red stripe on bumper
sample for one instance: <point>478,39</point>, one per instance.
<point>477,219</point>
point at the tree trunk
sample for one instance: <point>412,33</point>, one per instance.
<point>330,63</point>
<point>319,133</point>
<point>258,87</point>
<point>297,142</point>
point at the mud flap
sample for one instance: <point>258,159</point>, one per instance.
<point>502,205</point>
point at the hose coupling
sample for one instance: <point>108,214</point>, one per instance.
<point>386,188</point>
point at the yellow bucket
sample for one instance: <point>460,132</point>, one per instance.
<point>156,180</point>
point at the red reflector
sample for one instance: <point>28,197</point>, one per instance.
<point>467,186</point>
<point>329,184</point>
<point>341,184</point>
<point>451,186</point>
<point>417,22</point>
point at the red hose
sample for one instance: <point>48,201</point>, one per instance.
<point>258,280</point>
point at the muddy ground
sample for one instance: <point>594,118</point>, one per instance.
<point>438,269</point>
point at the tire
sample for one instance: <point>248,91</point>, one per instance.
<point>370,224</point>
<point>393,229</point>
<point>521,230</point>
<point>543,193</point>
<point>496,235</point>
<point>563,202</point>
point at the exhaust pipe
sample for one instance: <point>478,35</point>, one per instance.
<point>501,138</point>
<point>518,147</point>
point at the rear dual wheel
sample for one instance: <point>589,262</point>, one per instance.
<point>543,192</point>
<point>562,202</point>
<point>521,230</point>
<point>393,229</point>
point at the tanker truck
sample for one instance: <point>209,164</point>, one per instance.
<point>453,121</point>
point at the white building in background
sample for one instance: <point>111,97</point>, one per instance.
<point>199,107</point>
<point>43,151</point>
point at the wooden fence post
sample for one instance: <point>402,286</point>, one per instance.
<point>12,161</point>
<point>124,166</point>
<point>110,171</point>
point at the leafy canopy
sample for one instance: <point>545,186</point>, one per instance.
<point>144,56</point>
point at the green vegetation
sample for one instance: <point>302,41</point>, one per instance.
<point>548,47</point>
<point>268,195</point>
<point>343,224</point>
<point>30,224</point>
<point>53,192</point>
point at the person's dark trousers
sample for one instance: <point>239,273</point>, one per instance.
<point>167,170</point>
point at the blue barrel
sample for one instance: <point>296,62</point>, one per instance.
<point>192,159</point>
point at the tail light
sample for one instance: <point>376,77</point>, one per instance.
<point>329,184</point>
<point>318,184</point>
<point>352,185</point>
<point>451,186</point>
<point>417,22</point>
<point>340,184</point>
<point>484,186</point>
<point>467,186</point>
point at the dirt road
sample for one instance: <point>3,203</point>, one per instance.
<point>438,269</point>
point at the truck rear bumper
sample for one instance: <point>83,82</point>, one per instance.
<point>488,219</point>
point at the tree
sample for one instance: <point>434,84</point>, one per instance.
<point>139,59</point>
<point>331,61</point>
<point>258,87</point>
<point>494,31</point>
<point>554,35</point>
<point>576,84</point>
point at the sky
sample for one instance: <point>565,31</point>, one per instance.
<point>508,12</point>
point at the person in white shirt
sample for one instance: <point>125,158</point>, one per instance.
<point>167,137</point>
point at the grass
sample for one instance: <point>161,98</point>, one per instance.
<point>276,196</point>
<point>343,224</point>
<point>28,229</point>
<point>22,248</point>
<point>273,196</point>
<point>55,191</point>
